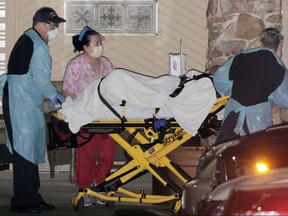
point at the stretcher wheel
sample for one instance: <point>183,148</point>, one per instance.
<point>110,204</point>
<point>80,205</point>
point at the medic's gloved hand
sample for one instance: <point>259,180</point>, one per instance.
<point>60,97</point>
<point>53,101</point>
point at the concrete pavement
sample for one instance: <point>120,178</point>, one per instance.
<point>59,191</point>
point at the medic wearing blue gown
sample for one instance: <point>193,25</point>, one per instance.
<point>27,84</point>
<point>255,79</point>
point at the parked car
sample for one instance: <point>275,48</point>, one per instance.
<point>259,152</point>
<point>254,194</point>
<point>261,201</point>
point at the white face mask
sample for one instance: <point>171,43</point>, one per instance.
<point>53,34</point>
<point>97,52</point>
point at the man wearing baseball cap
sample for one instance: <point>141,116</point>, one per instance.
<point>47,14</point>
<point>46,22</point>
<point>28,84</point>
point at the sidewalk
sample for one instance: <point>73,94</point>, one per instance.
<point>59,191</point>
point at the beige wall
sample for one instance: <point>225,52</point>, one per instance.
<point>178,19</point>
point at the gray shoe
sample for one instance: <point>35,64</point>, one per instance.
<point>89,201</point>
<point>101,201</point>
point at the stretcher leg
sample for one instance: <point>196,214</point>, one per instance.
<point>146,160</point>
<point>143,160</point>
<point>176,170</point>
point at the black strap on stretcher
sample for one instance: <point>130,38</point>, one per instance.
<point>122,119</point>
<point>183,80</point>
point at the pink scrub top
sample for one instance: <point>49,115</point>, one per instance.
<point>79,73</point>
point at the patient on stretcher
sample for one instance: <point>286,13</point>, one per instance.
<point>141,95</point>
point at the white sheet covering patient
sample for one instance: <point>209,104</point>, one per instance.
<point>142,94</point>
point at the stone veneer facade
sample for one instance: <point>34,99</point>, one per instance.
<point>235,25</point>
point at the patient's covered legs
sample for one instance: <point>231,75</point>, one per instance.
<point>90,170</point>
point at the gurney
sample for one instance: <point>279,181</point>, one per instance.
<point>149,142</point>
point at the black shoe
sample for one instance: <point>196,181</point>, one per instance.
<point>45,206</point>
<point>25,209</point>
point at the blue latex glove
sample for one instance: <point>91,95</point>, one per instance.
<point>60,97</point>
<point>53,101</point>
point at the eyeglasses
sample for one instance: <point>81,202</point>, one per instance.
<point>54,25</point>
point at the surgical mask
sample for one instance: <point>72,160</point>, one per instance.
<point>52,34</point>
<point>97,52</point>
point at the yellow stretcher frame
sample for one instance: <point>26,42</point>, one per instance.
<point>146,157</point>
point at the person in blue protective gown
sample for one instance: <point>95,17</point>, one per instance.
<point>255,79</point>
<point>26,86</point>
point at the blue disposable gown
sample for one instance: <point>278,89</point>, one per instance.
<point>26,95</point>
<point>258,117</point>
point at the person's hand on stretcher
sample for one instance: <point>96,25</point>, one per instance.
<point>53,101</point>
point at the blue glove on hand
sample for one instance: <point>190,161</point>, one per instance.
<point>60,97</point>
<point>53,101</point>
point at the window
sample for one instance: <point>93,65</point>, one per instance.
<point>112,17</point>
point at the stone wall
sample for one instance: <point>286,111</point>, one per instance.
<point>235,25</point>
